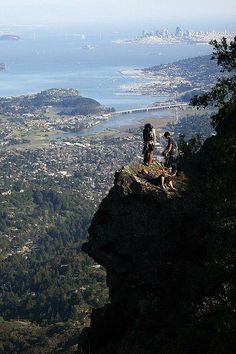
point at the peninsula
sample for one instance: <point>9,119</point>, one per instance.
<point>164,36</point>
<point>26,117</point>
<point>180,80</point>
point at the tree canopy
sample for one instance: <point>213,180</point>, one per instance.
<point>223,94</point>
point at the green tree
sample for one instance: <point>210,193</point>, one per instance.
<point>223,94</point>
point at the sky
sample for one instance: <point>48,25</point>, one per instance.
<point>64,12</point>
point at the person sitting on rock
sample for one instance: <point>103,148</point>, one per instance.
<point>149,139</point>
<point>163,179</point>
<point>168,174</point>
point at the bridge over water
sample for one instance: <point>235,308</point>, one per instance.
<point>151,109</point>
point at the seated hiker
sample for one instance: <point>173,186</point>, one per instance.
<point>149,139</point>
<point>170,153</point>
<point>168,174</point>
<point>163,180</point>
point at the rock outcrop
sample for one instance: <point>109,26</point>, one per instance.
<point>170,260</point>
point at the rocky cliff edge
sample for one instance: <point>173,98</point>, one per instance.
<point>150,242</point>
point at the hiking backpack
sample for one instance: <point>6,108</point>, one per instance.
<point>148,133</point>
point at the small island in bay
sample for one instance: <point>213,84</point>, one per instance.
<point>9,37</point>
<point>2,67</point>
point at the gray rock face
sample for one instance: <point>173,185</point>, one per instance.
<point>169,258</point>
<point>133,236</point>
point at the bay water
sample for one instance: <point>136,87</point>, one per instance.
<point>86,60</point>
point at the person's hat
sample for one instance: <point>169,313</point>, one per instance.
<point>148,126</point>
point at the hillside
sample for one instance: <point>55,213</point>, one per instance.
<point>179,80</point>
<point>47,198</point>
<point>64,101</point>
<point>170,258</point>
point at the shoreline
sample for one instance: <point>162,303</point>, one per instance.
<point>167,38</point>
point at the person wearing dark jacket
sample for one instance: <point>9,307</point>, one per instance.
<point>170,153</point>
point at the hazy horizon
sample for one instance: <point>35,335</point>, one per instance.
<point>110,13</point>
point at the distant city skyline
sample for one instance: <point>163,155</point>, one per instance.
<point>113,11</point>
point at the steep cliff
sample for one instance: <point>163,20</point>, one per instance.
<point>170,259</point>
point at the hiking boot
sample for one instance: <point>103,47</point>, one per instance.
<point>172,188</point>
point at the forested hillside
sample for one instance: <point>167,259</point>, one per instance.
<point>44,277</point>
